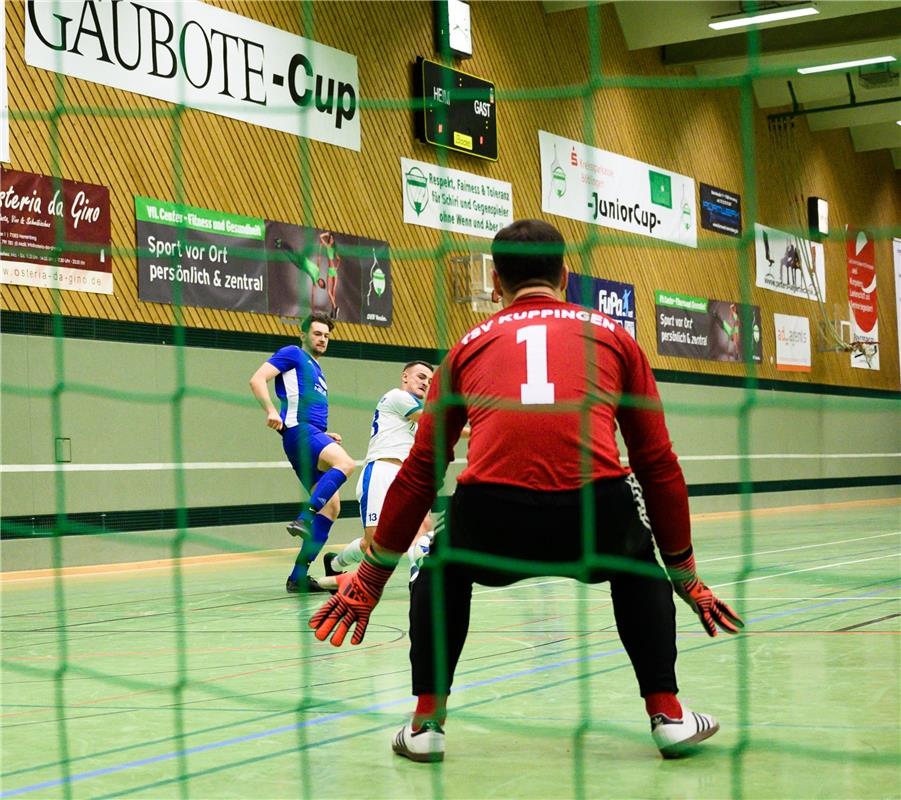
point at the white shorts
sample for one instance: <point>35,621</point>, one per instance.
<point>372,487</point>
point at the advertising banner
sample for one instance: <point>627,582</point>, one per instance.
<point>451,200</point>
<point>4,97</point>
<point>712,330</point>
<point>720,210</point>
<point>202,57</point>
<point>54,233</point>
<point>616,300</point>
<point>313,269</point>
<point>792,343</point>
<point>861,253</point>
<point>199,257</point>
<point>783,261</point>
<point>896,259</point>
<point>591,185</point>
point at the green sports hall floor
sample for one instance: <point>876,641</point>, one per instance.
<point>112,688</point>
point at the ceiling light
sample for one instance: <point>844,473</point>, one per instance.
<point>760,18</point>
<point>861,62</point>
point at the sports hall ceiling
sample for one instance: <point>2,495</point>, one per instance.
<point>841,31</point>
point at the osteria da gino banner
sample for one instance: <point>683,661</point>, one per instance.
<point>591,185</point>
<point>54,233</point>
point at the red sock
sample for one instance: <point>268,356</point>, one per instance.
<point>663,703</point>
<point>430,707</point>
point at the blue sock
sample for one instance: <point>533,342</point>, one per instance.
<point>311,547</point>
<point>326,486</point>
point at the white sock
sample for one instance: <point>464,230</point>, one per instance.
<point>350,555</point>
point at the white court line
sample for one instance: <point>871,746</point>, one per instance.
<point>799,547</point>
<point>806,569</point>
<point>723,558</point>
<point>192,465</point>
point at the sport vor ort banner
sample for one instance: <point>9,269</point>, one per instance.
<point>200,257</point>
<point>54,233</point>
<point>616,300</point>
<point>711,330</point>
<point>197,257</point>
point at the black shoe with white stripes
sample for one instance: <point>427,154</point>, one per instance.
<point>676,737</point>
<point>426,744</point>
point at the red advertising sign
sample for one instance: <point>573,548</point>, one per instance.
<point>54,233</point>
<point>861,279</point>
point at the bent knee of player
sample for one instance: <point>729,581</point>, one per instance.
<point>344,462</point>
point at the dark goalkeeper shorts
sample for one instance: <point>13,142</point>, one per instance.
<point>605,522</point>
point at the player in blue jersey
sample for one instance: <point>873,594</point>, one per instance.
<point>315,453</point>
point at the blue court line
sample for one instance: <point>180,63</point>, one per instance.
<point>96,773</point>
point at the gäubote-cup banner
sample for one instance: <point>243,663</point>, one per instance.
<point>54,233</point>
<point>710,330</point>
<point>784,263</point>
<point>202,57</point>
<point>199,257</point>
<point>615,299</point>
<point>590,185</point>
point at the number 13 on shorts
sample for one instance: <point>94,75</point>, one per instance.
<point>536,389</point>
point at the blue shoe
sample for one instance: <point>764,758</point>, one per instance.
<point>301,527</point>
<point>304,586</point>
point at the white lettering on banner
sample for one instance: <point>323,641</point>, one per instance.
<point>202,57</point>
<point>591,185</point>
<point>451,200</point>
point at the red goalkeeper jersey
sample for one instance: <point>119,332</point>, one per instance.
<point>543,384</point>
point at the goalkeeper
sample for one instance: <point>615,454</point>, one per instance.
<point>544,385</point>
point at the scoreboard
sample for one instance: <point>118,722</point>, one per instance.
<point>454,109</point>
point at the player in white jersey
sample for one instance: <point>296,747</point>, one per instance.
<point>393,429</point>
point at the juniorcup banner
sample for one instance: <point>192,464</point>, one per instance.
<point>202,57</point>
<point>784,261</point>
<point>451,200</point>
<point>591,185</point>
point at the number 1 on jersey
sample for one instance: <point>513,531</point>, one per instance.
<point>536,389</point>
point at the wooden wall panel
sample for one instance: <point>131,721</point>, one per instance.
<point>540,64</point>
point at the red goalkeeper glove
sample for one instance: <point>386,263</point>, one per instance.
<point>712,611</point>
<point>357,595</point>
